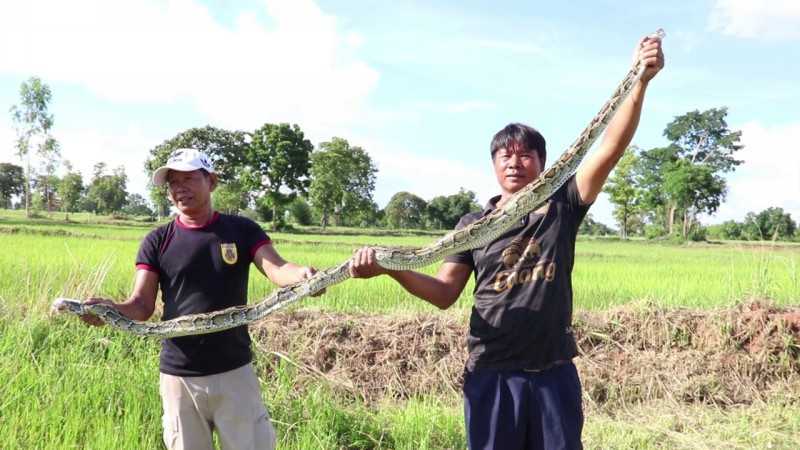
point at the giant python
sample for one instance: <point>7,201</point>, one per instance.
<point>475,235</point>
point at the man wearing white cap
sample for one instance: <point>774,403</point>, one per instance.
<point>201,261</point>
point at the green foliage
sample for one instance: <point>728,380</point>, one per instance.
<point>300,211</point>
<point>685,179</point>
<point>108,192</point>
<point>406,210</point>
<point>444,212</point>
<point>342,181</point>
<point>12,182</point>
<point>623,190</point>
<point>593,228</point>
<point>230,197</point>
<point>32,123</point>
<point>70,190</point>
<point>225,148</point>
<point>136,205</point>
<point>770,224</point>
<point>47,192</point>
<point>277,163</point>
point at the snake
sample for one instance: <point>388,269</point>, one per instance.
<point>475,235</point>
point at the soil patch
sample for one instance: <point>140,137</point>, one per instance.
<point>725,357</point>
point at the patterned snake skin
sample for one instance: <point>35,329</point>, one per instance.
<point>475,235</point>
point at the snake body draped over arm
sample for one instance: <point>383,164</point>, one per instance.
<point>473,236</point>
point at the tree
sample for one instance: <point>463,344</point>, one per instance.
<point>300,211</point>
<point>342,181</point>
<point>229,197</point>
<point>225,148</point>
<point>591,227</point>
<point>108,191</point>
<point>136,205</point>
<point>12,182</point>
<point>406,210</point>
<point>32,123</point>
<point>731,229</point>
<point>71,189</point>
<point>444,212</point>
<point>684,179</point>
<point>769,224</point>
<point>622,190</point>
<point>46,193</point>
<point>278,161</point>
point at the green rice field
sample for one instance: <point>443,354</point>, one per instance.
<point>66,385</point>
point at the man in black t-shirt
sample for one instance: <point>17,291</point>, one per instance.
<point>521,389</point>
<point>201,261</point>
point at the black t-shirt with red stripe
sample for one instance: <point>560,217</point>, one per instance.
<point>201,270</point>
<point>522,317</point>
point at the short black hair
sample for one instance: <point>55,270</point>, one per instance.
<point>515,135</point>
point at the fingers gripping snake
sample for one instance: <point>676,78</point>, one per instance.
<point>475,235</point>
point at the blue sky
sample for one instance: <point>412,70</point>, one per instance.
<point>420,85</point>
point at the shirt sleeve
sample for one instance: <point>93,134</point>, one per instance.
<point>578,207</point>
<point>256,237</point>
<point>464,257</point>
<point>147,257</point>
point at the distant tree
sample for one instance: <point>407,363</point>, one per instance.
<point>136,205</point>
<point>406,210</point>
<point>108,192</point>
<point>443,212</point>
<point>342,181</point>
<point>71,189</point>
<point>622,190</point>
<point>12,182</point>
<point>591,227</point>
<point>731,229</point>
<point>225,148</point>
<point>46,188</point>
<point>300,211</point>
<point>684,179</point>
<point>229,198</point>
<point>32,123</point>
<point>770,224</point>
<point>277,164</point>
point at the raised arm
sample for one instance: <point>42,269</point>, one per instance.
<point>594,171</point>
<point>441,291</point>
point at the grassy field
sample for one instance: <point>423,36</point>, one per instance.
<point>68,386</point>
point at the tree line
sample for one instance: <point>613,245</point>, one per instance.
<point>275,174</point>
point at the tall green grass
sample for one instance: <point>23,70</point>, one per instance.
<point>66,385</point>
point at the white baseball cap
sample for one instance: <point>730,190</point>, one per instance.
<point>182,160</point>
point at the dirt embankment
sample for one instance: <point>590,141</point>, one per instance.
<point>726,357</point>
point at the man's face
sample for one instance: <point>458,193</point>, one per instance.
<point>516,168</point>
<point>190,192</point>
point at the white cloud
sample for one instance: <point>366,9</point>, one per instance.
<point>300,68</point>
<point>425,176</point>
<point>768,20</point>
<point>83,149</point>
<point>769,175</point>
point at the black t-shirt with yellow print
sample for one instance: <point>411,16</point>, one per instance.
<point>201,270</point>
<point>522,317</point>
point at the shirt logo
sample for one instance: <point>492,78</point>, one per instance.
<point>229,254</point>
<point>520,251</point>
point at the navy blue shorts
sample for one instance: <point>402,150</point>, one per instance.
<point>524,410</point>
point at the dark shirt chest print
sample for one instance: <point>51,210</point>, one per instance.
<point>522,264</point>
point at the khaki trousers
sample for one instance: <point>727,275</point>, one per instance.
<point>229,403</point>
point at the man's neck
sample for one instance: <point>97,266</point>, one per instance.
<point>197,220</point>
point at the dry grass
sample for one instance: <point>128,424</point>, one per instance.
<point>632,355</point>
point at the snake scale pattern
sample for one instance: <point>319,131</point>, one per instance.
<point>475,235</point>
